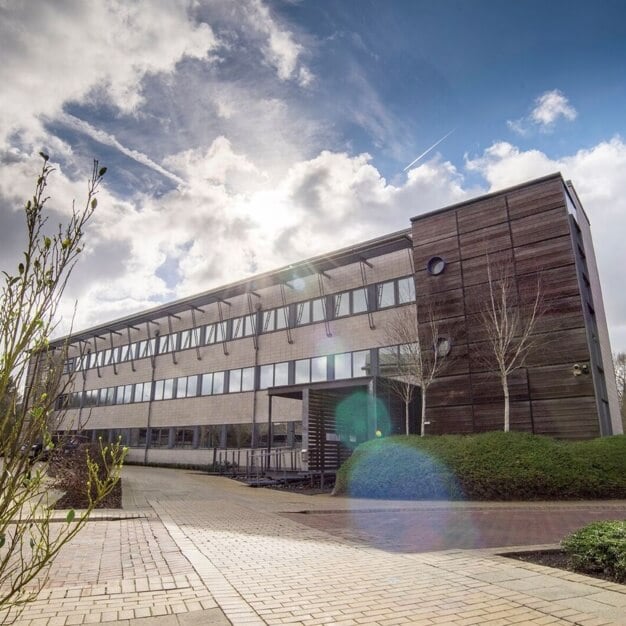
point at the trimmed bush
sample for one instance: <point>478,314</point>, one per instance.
<point>489,466</point>
<point>599,548</point>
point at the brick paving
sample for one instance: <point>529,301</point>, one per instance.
<point>193,549</point>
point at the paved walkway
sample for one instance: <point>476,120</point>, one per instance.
<point>192,549</point>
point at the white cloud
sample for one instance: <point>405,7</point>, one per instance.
<point>280,50</point>
<point>549,108</point>
<point>74,51</point>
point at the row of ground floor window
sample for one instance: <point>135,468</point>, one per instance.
<point>283,434</point>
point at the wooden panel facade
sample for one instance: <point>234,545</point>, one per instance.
<point>526,230</point>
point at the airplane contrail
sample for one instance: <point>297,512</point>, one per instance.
<point>427,151</point>
<point>110,140</point>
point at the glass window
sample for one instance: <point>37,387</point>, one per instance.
<point>406,290</point>
<point>164,344</point>
<point>158,389</point>
<point>234,383</point>
<point>388,359</point>
<point>279,434</point>
<point>119,394</point>
<point>147,389</point>
<point>303,371</point>
<point>269,320</point>
<point>141,349</point>
<point>238,326</point>
<point>192,386</point>
<point>282,315</point>
<point>209,334</point>
<point>303,313</point>
<point>385,294</point>
<point>210,437</point>
<point>128,394</point>
<point>218,382</point>
<point>220,331</point>
<point>188,339</point>
<point>266,378</point>
<point>318,307</point>
<point>110,395</point>
<point>139,392</point>
<point>168,388</point>
<point>239,436</point>
<point>183,437</point>
<point>359,300</point>
<point>247,379</point>
<point>207,384</point>
<point>281,374</point>
<point>159,437</point>
<point>250,325</point>
<point>181,387</point>
<point>319,369</point>
<point>361,363</point>
<point>343,366</point>
<point>342,304</point>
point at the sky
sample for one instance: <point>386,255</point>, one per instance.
<point>243,136</point>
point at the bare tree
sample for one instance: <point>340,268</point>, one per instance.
<point>422,355</point>
<point>509,319</point>
<point>30,380</point>
<point>619,360</point>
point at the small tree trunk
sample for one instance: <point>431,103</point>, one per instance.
<point>423,416</point>
<point>406,416</point>
<point>505,389</point>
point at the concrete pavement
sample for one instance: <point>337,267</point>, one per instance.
<point>193,549</point>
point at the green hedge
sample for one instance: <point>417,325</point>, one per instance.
<point>489,466</point>
<point>599,548</point>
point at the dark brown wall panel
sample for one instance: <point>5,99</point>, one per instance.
<point>485,240</point>
<point>490,416</point>
<point>486,386</point>
<point>434,227</point>
<point>540,226</point>
<point>475,269</point>
<point>449,420</point>
<point>447,249</point>
<point>554,285</point>
<point>441,306</point>
<point>449,279</point>
<point>569,418</point>
<point>541,256</point>
<point>558,381</point>
<point>536,198</point>
<point>561,347</point>
<point>481,214</point>
<point>449,391</point>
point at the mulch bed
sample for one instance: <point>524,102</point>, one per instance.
<point>78,501</point>
<point>553,558</point>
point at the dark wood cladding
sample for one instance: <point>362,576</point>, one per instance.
<point>535,199</point>
<point>540,226</point>
<point>544,255</point>
<point>481,214</point>
<point>567,418</point>
<point>527,231</point>
<point>485,241</point>
<point>455,419</point>
<point>557,381</point>
<point>450,279</point>
<point>489,416</point>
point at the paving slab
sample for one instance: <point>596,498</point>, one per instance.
<point>189,548</point>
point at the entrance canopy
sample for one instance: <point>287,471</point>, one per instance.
<point>339,415</point>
